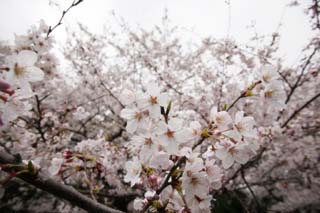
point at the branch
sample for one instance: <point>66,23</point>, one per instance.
<point>51,29</point>
<point>244,94</point>
<point>298,110</point>
<point>172,170</point>
<point>39,120</point>
<point>57,189</point>
<point>251,191</point>
<point>250,163</point>
<point>295,86</point>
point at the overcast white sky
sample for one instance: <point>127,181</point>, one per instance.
<point>205,17</point>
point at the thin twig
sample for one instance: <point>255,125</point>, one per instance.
<point>39,120</point>
<point>166,182</point>
<point>295,86</point>
<point>51,29</point>
<point>251,191</point>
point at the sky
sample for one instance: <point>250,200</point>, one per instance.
<point>202,18</point>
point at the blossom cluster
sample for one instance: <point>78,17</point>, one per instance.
<point>161,140</point>
<point>176,142</point>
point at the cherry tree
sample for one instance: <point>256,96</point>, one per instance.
<point>144,122</point>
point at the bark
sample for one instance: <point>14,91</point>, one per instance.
<point>57,189</point>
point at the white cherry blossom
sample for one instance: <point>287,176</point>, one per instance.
<point>228,153</point>
<point>273,95</point>
<point>168,135</point>
<point>55,167</point>
<point>22,69</point>
<point>222,119</point>
<point>136,119</point>
<point>268,73</point>
<point>199,204</point>
<point>153,99</point>
<point>133,169</point>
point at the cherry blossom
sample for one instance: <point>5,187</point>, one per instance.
<point>22,69</point>
<point>222,119</point>
<point>133,169</point>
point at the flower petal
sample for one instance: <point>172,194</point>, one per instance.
<point>34,74</point>
<point>26,58</point>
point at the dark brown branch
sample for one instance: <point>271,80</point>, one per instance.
<point>285,79</point>
<point>57,189</point>
<point>166,182</point>
<point>39,120</point>
<point>250,163</point>
<point>243,94</point>
<point>51,29</point>
<point>296,85</point>
<point>295,113</point>
<point>251,191</point>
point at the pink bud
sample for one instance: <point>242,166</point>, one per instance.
<point>153,182</point>
<point>67,154</point>
<point>4,85</point>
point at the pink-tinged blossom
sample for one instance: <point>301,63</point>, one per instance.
<point>190,134</point>
<point>222,119</point>
<point>153,99</point>
<point>195,183</point>
<point>214,174</point>
<point>229,153</point>
<point>149,195</point>
<point>171,196</point>
<point>243,127</point>
<point>199,204</point>
<point>4,86</point>
<point>168,135</point>
<point>133,169</point>
<point>138,204</point>
<point>160,160</point>
<point>55,167</point>
<point>268,73</point>
<point>136,119</point>
<point>147,144</point>
<point>274,95</point>
<point>194,180</point>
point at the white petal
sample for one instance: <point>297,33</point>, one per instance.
<point>221,153</point>
<point>241,157</point>
<point>233,134</point>
<point>184,135</point>
<point>175,124</point>
<point>127,113</point>
<point>132,126</point>
<point>26,58</point>
<point>227,162</point>
<point>161,128</point>
<point>34,74</point>
<point>213,111</point>
<point>238,116</point>
<point>172,147</point>
<point>195,125</point>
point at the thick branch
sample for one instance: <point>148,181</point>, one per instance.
<point>59,190</point>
